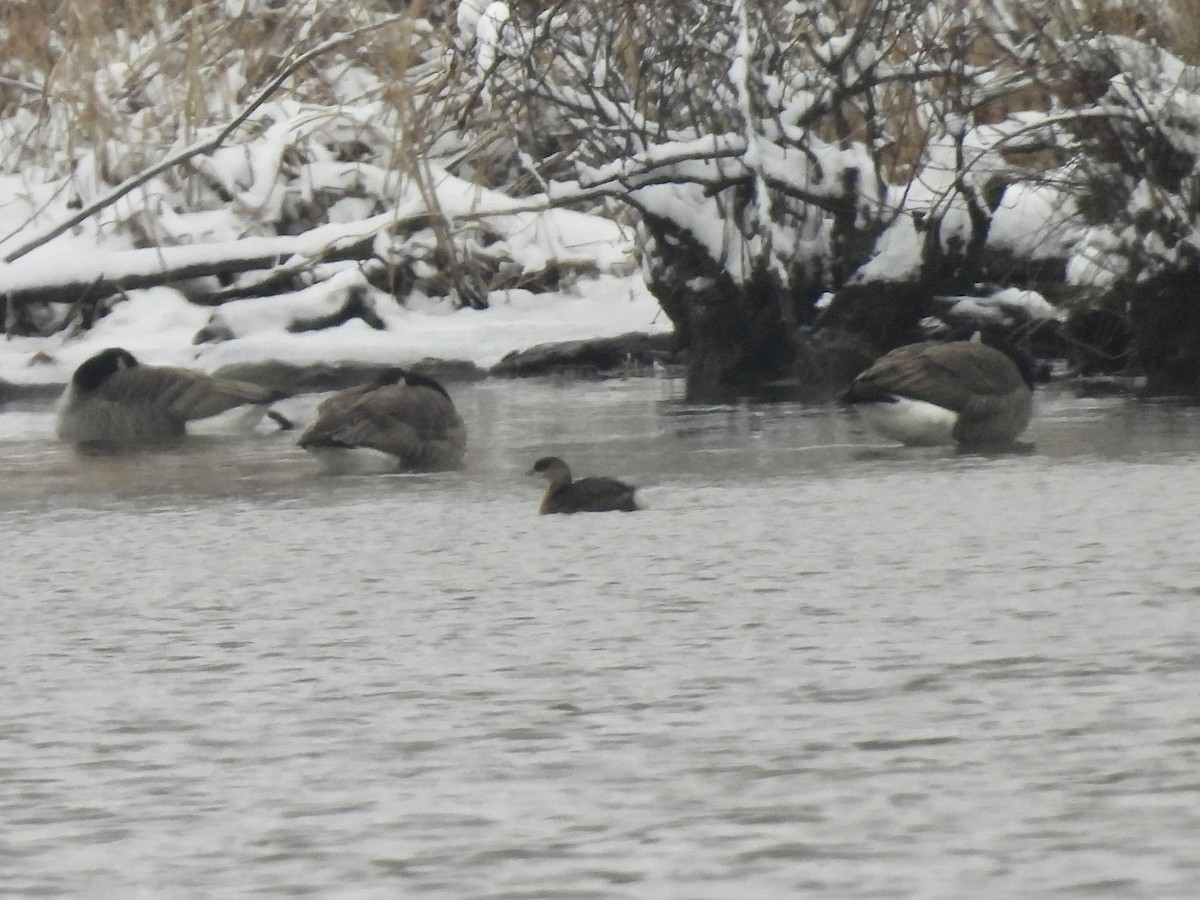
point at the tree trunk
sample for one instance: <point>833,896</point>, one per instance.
<point>1165,320</point>
<point>735,338</point>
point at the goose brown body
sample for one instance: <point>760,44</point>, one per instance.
<point>983,394</point>
<point>593,494</point>
<point>403,415</point>
<point>113,399</point>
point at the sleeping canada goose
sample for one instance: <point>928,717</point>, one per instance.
<point>596,494</point>
<point>963,392</point>
<point>401,421</point>
<point>112,399</point>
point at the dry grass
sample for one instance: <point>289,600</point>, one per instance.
<point>128,80</point>
<point>1172,24</point>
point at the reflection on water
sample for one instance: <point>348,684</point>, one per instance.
<point>817,666</point>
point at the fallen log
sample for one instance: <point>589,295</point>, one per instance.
<point>32,279</point>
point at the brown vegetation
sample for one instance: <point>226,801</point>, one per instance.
<point>92,94</point>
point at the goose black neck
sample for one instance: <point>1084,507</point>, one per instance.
<point>1024,362</point>
<point>94,371</point>
<point>413,379</point>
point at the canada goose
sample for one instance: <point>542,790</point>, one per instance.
<point>597,494</point>
<point>963,392</point>
<point>112,399</point>
<point>401,421</point>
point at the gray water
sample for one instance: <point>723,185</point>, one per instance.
<point>816,666</point>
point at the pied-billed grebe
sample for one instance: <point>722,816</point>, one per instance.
<point>112,399</point>
<point>960,392</point>
<point>406,421</point>
<point>597,494</point>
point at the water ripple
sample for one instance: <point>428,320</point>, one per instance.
<point>808,670</point>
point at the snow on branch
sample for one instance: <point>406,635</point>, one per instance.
<point>529,235</point>
<point>199,148</point>
<point>102,273</point>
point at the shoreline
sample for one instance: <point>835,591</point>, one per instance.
<point>630,354</point>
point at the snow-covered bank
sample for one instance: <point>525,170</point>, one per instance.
<point>598,292</point>
<point>546,275</point>
<point>357,212</point>
<point>159,325</point>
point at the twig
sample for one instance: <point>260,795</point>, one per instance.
<point>201,147</point>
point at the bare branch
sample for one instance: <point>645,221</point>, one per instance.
<point>197,149</point>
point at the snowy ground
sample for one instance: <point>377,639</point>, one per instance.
<point>158,327</point>
<point>591,258</point>
<point>602,293</point>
